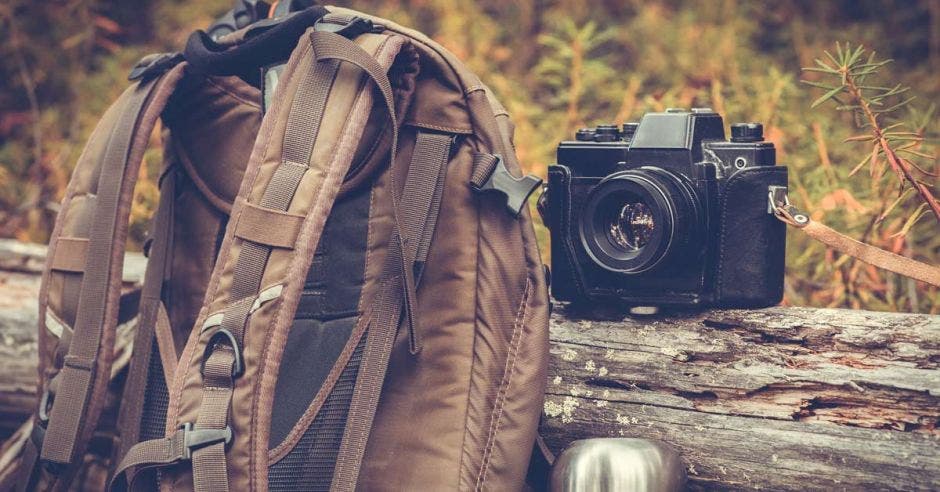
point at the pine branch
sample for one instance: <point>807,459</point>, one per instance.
<point>871,103</point>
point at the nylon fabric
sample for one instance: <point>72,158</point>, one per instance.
<point>326,313</point>
<point>156,400</point>
<point>426,172</point>
<point>146,456</point>
<point>269,227</point>
<point>428,164</point>
<point>470,372</point>
<point>380,337</point>
<point>150,305</point>
<point>68,409</point>
<point>71,254</point>
<point>209,468</point>
<point>483,167</point>
<point>310,465</point>
<point>307,108</point>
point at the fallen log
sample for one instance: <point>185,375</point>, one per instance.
<point>780,399</point>
<point>20,270</point>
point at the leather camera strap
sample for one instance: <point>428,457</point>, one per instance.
<point>872,255</point>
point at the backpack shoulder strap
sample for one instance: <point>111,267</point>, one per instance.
<point>90,255</point>
<point>293,177</point>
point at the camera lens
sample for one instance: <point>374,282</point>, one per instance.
<point>635,220</point>
<point>632,227</point>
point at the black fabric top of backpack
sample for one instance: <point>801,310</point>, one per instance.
<point>270,41</point>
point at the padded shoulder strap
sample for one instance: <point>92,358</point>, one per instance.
<point>115,150</point>
<point>291,182</point>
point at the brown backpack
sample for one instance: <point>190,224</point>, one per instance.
<point>343,289</point>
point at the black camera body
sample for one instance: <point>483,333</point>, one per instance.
<point>667,213</point>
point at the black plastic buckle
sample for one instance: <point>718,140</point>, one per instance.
<point>224,336</point>
<point>153,65</point>
<point>194,439</point>
<point>38,434</point>
<point>515,190</point>
<point>348,29</point>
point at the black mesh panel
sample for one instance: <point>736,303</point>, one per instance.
<point>325,317</point>
<point>156,399</point>
<point>309,465</point>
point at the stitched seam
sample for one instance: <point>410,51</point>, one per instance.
<point>464,131</point>
<point>295,434</point>
<point>370,235</point>
<point>300,428</point>
<point>334,374</point>
<point>232,94</point>
<point>518,328</point>
<point>473,358</point>
<point>225,255</point>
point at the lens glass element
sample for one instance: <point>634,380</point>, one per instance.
<point>632,227</point>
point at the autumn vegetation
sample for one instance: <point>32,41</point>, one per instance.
<point>858,127</point>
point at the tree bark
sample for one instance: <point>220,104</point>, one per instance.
<point>20,273</point>
<point>780,398</point>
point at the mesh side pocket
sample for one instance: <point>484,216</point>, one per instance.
<point>156,399</point>
<point>309,465</point>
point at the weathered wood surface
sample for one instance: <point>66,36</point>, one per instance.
<point>779,399</point>
<point>20,269</point>
<point>782,399</point>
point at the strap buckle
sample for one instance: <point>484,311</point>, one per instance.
<point>195,439</point>
<point>493,177</point>
<point>153,65</point>
<point>349,27</point>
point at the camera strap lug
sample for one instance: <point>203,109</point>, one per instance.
<point>779,205</point>
<point>491,176</point>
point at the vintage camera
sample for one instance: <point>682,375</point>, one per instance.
<point>667,212</point>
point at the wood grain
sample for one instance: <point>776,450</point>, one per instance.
<point>781,399</point>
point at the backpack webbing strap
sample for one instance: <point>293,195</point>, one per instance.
<point>77,379</point>
<point>219,372</point>
<point>148,456</point>
<point>421,201</point>
<point>419,204</point>
<point>151,306</point>
<point>222,362</point>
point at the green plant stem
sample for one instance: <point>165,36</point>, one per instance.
<point>898,164</point>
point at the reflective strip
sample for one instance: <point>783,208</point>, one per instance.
<point>266,295</point>
<point>55,325</point>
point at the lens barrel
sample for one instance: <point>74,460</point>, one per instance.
<point>634,220</point>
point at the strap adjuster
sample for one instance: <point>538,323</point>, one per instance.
<point>347,27</point>
<point>153,65</point>
<point>195,439</point>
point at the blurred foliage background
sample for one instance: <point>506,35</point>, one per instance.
<point>557,65</point>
